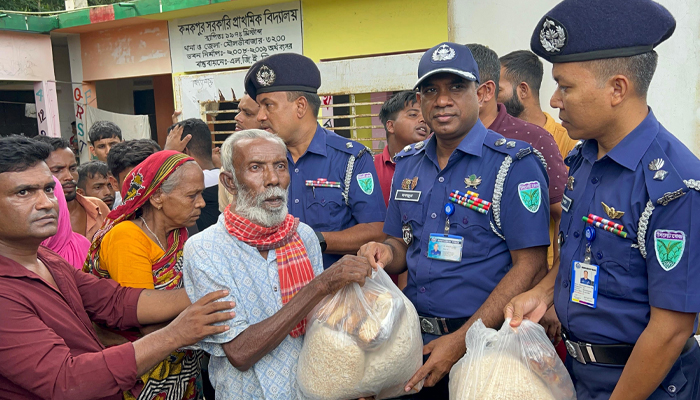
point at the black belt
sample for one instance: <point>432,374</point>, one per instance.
<point>611,354</point>
<point>440,326</point>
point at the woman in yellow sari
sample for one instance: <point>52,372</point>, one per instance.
<point>140,245</point>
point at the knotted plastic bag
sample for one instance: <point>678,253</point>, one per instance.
<point>360,342</point>
<point>510,364</point>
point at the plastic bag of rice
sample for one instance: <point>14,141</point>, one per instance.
<point>510,364</point>
<point>360,342</point>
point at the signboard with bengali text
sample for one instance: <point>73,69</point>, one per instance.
<point>235,39</point>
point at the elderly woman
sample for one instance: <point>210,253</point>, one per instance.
<point>140,245</point>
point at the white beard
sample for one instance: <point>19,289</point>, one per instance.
<point>251,207</point>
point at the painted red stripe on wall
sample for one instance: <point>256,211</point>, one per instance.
<point>102,14</point>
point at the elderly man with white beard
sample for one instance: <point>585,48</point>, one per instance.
<point>270,263</point>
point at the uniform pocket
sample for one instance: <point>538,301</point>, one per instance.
<point>474,227</point>
<point>325,208</point>
<point>614,260</point>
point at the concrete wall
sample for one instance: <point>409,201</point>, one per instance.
<point>66,110</point>
<point>506,25</point>
<point>130,51</point>
<point>25,57</point>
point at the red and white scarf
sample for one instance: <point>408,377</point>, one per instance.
<point>293,264</point>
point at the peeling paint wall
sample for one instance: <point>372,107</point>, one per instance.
<point>25,57</point>
<point>130,51</point>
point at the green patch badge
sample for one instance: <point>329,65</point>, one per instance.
<point>530,195</point>
<point>669,247</point>
<point>366,182</point>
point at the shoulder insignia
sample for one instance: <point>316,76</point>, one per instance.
<point>692,184</point>
<point>410,150</point>
<point>516,149</point>
<point>570,158</point>
<point>345,145</point>
<point>523,152</point>
<point>663,182</point>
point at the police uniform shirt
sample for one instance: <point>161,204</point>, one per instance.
<point>457,289</point>
<point>656,265</point>
<point>326,209</point>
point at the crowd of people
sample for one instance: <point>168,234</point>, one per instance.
<point>188,272</point>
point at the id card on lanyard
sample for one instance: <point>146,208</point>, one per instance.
<point>446,247</point>
<point>585,276</point>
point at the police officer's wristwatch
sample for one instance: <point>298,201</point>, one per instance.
<point>321,241</point>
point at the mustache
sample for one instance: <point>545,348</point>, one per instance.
<point>70,183</point>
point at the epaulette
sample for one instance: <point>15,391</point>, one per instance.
<point>663,182</point>
<point>347,146</point>
<point>570,158</point>
<point>516,149</point>
<point>411,149</point>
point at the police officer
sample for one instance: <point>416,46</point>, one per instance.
<point>631,210</point>
<point>334,187</point>
<point>480,197</point>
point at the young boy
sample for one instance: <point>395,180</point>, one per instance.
<point>93,181</point>
<point>103,135</point>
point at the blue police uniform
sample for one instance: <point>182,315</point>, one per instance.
<point>448,289</point>
<point>646,187</point>
<point>342,189</point>
<point>638,271</point>
<point>357,200</point>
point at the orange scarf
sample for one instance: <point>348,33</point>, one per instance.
<point>293,264</point>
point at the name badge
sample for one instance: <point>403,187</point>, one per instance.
<point>584,284</point>
<point>445,247</point>
<point>407,195</point>
<point>566,203</point>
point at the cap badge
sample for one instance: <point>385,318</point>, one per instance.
<point>266,76</point>
<point>552,36</point>
<point>443,53</point>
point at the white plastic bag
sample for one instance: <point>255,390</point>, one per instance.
<point>510,364</point>
<point>360,342</point>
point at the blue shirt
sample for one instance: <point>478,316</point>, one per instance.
<point>325,209</point>
<point>215,260</point>
<point>457,289</point>
<point>629,283</point>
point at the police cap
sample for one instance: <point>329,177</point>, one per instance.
<point>449,58</point>
<point>583,30</point>
<point>284,72</point>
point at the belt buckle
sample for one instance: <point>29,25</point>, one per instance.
<point>429,326</point>
<point>574,350</point>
